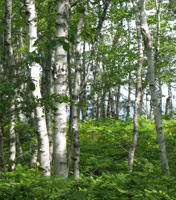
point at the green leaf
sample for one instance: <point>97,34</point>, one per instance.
<point>31,86</point>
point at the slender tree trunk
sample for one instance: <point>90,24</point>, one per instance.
<point>83,95</point>
<point>112,102</point>
<point>157,54</point>
<point>141,107</point>
<point>117,101</point>
<point>18,147</point>
<point>12,144</point>
<point>2,163</point>
<point>47,80</point>
<point>95,90</point>
<point>70,132</point>
<point>129,96</point>
<point>44,155</point>
<point>60,88</point>
<point>169,107</point>
<point>109,105</point>
<point>138,90</point>
<point>151,75</point>
<point>146,105</point>
<point>151,111</point>
<point>76,96</point>
<point>102,111</point>
<point>95,41</point>
<point>33,145</point>
<point>9,69</point>
<point>95,105</point>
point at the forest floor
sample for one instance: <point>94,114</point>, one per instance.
<point>104,157</point>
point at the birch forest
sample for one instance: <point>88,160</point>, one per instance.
<point>87,99</point>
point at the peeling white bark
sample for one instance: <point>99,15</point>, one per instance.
<point>138,90</point>
<point>76,93</point>
<point>151,76</point>
<point>9,69</point>
<point>60,88</point>
<point>35,76</point>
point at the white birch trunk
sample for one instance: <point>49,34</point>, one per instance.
<point>9,69</point>
<point>151,76</point>
<point>129,96</point>
<point>76,96</point>
<point>12,144</point>
<point>138,90</point>
<point>35,76</point>
<point>60,88</point>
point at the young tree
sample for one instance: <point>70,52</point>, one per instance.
<point>138,89</point>
<point>151,76</point>
<point>76,93</point>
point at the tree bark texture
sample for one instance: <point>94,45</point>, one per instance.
<point>138,90</point>
<point>151,76</point>
<point>9,69</point>
<point>2,163</point>
<point>76,93</point>
<point>35,76</point>
<point>60,88</point>
<point>157,54</point>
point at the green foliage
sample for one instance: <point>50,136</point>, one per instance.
<point>104,154</point>
<point>28,184</point>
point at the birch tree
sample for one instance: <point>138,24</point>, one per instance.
<point>76,96</point>
<point>2,163</point>
<point>95,41</point>
<point>35,76</point>
<point>157,54</point>
<point>138,89</point>
<point>60,88</point>
<point>9,69</point>
<point>151,76</point>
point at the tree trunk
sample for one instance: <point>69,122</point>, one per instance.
<point>108,111</point>
<point>60,88</point>
<point>112,102</point>
<point>98,31</point>
<point>157,54</point>
<point>151,111</point>
<point>9,69</point>
<point>76,96</point>
<point>169,107</point>
<point>12,144</point>
<point>138,90</point>
<point>129,96</point>
<point>117,101</point>
<point>18,147</point>
<point>44,155</point>
<point>102,111</point>
<point>83,94</point>
<point>47,80</point>
<point>2,163</point>
<point>151,76</point>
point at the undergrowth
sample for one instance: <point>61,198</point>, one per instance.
<point>104,156</point>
